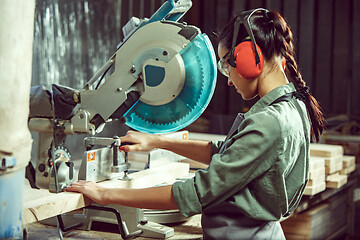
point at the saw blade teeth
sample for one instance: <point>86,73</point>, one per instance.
<point>200,79</point>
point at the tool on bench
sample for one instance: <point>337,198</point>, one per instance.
<point>160,79</point>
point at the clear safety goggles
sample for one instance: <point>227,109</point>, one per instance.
<point>224,66</point>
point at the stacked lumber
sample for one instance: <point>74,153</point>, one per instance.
<point>311,224</point>
<point>322,221</point>
<point>316,182</point>
<point>349,164</point>
<point>329,167</point>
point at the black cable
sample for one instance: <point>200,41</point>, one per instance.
<point>102,76</point>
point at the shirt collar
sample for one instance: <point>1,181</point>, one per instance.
<point>271,97</point>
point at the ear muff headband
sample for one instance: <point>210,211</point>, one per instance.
<point>236,58</point>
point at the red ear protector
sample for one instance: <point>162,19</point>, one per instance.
<point>246,57</point>
<point>245,60</point>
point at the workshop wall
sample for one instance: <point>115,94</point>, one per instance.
<point>74,38</point>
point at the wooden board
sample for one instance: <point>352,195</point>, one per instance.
<point>333,168</point>
<point>40,204</point>
<point>325,150</point>
<point>348,161</point>
<point>319,179</point>
<point>316,163</point>
<point>309,224</point>
<point>337,182</point>
<point>312,190</point>
<point>316,172</point>
<point>348,170</point>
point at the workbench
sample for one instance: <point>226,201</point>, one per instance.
<point>191,229</point>
<point>40,204</point>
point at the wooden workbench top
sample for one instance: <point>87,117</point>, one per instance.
<point>40,204</point>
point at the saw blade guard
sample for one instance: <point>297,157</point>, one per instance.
<point>200,81</point>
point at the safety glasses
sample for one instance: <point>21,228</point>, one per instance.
<point>224,66</point>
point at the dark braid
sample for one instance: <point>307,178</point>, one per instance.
<point>275,38</point>
<point>293,73</point>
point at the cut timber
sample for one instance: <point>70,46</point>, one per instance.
<point>316,163</point>
<point>329,161</point>
<point>348,161</point>
<point>312,190</point>
<point>313,174</point>
<point>332,176</point>
<point>333,168</point>
<point>40,204</point>
<point>337,182</point>
<point>348,170</point>
<point>320,179</point>
<point>325,150</point>
<point>311,224</point>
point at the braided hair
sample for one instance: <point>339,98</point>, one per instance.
<point>275,38</point>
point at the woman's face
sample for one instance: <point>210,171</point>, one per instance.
<point>246,87</point>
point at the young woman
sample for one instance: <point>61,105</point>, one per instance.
<point>258,174</point>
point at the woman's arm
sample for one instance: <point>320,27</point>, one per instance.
<point>149,198</point>
<point>195,150</point>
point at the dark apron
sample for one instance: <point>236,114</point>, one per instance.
<point>225,221</point>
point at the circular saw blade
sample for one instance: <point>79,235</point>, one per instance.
<point>200,80</point>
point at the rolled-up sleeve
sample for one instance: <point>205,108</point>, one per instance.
<point>186,197</point>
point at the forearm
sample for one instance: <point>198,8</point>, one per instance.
<point>195,150</point>
<point>148,198</point>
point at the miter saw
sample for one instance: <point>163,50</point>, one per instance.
<point>160,79</point>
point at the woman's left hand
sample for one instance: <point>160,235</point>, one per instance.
<point>90,189</point>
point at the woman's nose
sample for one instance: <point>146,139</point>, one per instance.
<point>230,83</point>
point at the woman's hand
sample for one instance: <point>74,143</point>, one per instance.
<point>137,141</point>
<point>92,190</point>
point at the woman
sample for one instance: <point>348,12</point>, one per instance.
<point>258,174</point>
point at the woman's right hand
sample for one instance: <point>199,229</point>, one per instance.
<point>138,141</point>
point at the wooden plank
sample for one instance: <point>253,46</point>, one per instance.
<point>336,160</point>
<point>316,163</point>
<point>305,222</point>
<point>317,179</point>
<point>348,160</point>
<point>337,182</point>
<point>333,168</point>
<point>312,190</point>
<point>313,173</point>
<point>330,177</point>
<point>325,150</point>
<point>348,170</point>
<point>40,204</point>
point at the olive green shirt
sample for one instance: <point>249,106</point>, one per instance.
<point>264,167</point>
